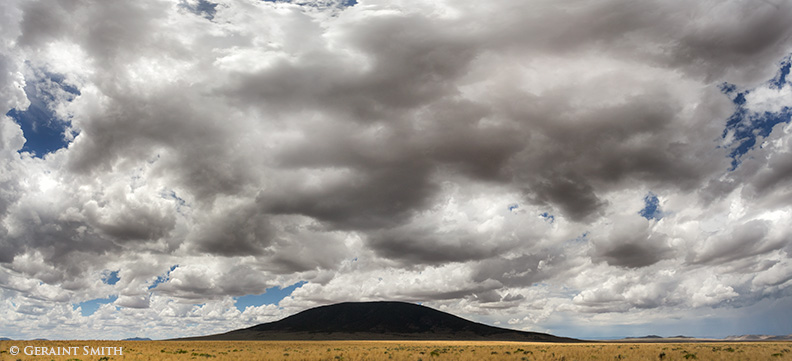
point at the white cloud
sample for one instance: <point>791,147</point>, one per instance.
<point>376,151</point>
<point>769,99</point>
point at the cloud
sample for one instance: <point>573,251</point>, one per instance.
<point>631,242</point>
<point>377,150</point>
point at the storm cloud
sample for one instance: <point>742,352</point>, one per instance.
<point>491,159</point>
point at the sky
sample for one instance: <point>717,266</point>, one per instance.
<point>590,169</point>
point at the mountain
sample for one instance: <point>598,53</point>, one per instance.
<point>759,338</point>
<point>656,338</point>
<point>643,337</point>
<point>5,339</point>
<point>378,321</point>
<point>137,339</point>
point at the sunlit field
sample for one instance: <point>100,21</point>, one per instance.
<point>395,350</point>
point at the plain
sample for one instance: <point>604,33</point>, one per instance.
<point>406,350</point>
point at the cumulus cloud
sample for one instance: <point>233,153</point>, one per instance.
<point>631,244</point>
<point>490,159</point>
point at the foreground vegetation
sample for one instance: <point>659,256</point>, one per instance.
<point>405,350</point>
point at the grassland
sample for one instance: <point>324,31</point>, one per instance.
<point>405,351</point>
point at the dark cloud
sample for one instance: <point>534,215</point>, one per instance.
<point>631,242</point>
<point>524,270</point>
<point>138,222</point>
<point>302,248</point>
<point>659,33</point>
<point>377,151</point>
<point>9,194</point>
<point>768,172</point>
<point>575,198</point>
<point>634,254</point>
<point>776,176</point>
<point>375,187</point>
<point>398,62</point>
<point>237,231</point>
<point>483,293</point>
<point>760,33</point>
<point>743,240</point>
<point>423,246</point>
<point>45,21</point>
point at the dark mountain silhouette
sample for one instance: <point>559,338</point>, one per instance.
<point>378,321</point>
<point>643,337</point>
<point>5,339</point>
<point>137,339</point>
<point>760,338</point>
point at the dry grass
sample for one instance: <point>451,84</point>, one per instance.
<point>408,351</point>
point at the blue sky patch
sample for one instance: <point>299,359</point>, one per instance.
<point>651,209</point>
<point>745,125</point>
<point>781,78</point>
<point>88,308</point>
<point>164,278</point>
<point>583,238</point>
<point>180,202</point>
<point>203,8</point>
<point>110,278</point>
<point>271,296</point>
<point>548,217</point>
<point>341,4</point>
<point>43,130</point>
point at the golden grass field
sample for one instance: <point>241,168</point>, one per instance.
<point>397,350</point>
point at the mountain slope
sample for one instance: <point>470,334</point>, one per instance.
<point>759,338</point>
<point>377,321</point>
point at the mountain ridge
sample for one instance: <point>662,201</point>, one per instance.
<point>759,338</point>
<point>382,320</point>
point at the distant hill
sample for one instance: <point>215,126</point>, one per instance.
<point>643,337</point>
<point>378,321</point>
<point>688,339</point>
<point>5,339</point>
<point>759,338</point>
<point>137,339</point>
<point>663,339</point>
